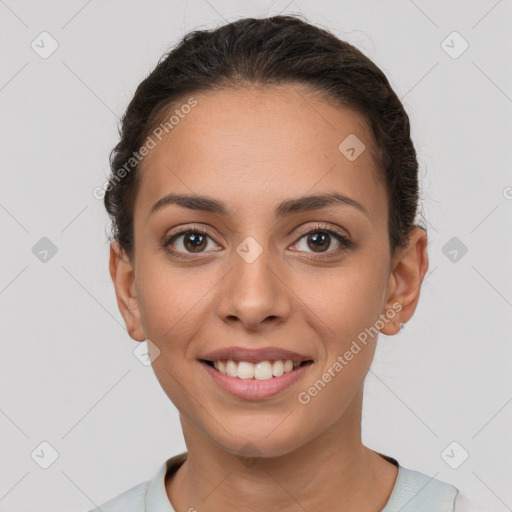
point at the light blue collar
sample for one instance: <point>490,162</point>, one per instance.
<point>417,492</point>
<point>413,491</point>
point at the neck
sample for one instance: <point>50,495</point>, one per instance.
<point>332,472</point>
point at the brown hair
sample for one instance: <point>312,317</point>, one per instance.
<point>266,51</point>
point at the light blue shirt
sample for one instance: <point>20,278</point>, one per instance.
<point>413,492</point>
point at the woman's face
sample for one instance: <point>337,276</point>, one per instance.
<point>265,274</point>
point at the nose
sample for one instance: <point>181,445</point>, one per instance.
<point>254,292</point>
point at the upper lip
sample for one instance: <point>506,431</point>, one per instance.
<point>254,355</point>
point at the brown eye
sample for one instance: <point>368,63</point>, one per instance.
<point>319,241</point>
<point>190,241</point>
<point>194,242</point>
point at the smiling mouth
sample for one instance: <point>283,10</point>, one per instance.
<point>263,370</point>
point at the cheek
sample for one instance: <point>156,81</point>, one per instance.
<point>345,301</point>
<point>171,302</point>
<point>344,319</point>
<point>171,307</point>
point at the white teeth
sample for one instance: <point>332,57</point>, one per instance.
<point>245,370</point>
<point>278,368</point>
<point>263,370</point>
<point>231,368</point>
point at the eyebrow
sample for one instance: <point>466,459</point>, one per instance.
<point>287,207</point>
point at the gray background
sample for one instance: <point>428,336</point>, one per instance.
<point>68,375</point>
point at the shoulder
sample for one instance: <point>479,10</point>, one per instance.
<point>132,500</point>
<point>148,496</point>
<point>415,491</point>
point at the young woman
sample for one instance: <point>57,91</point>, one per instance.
<point>263,199</point>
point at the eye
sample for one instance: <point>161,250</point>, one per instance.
<point>189,240</point>
<point>192,240</point>
<point>319,240</point>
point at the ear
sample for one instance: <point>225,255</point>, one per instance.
<point>409,265</point>
<point>123,277</point>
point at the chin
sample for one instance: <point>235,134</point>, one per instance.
<point>260,442</point>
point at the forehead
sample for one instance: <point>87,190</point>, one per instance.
<point>252,146</point>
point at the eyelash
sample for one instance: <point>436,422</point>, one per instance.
<point>324,228</point>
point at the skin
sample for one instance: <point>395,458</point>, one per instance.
<point>251,149</point>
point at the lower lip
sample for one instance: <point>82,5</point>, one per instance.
<point>253,388</point>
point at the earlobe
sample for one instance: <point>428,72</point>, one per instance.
<point>405,280</point>
<point>123,278</point>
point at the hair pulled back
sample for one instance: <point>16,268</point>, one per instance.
<point>258,52</point>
